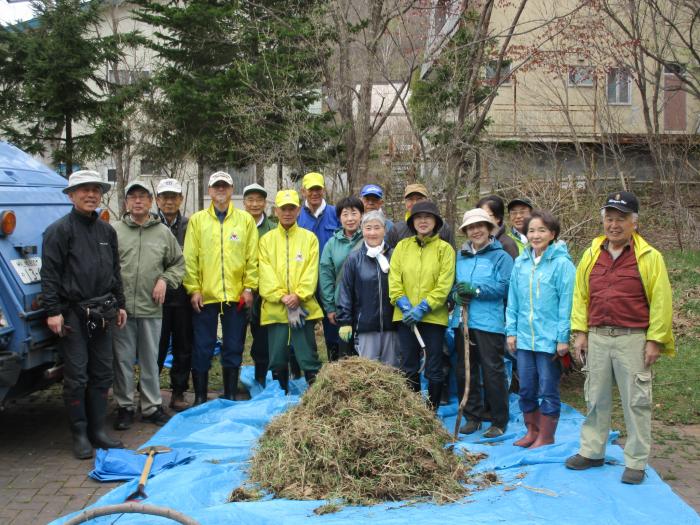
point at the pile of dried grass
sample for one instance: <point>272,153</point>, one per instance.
<point>360,435</point>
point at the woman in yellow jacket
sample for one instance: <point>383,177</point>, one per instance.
<point>421,275</point>
<point>288,268</point>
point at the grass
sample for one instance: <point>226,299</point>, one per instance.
<point>676,389</point>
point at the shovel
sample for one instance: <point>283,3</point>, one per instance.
<point>467,378</point>
<point>140,494</point>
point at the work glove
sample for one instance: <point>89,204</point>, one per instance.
<point>297,317</point>
<point>345,333</point>
<point>417,313</point>
<point>461,300</point>
<point>404,305</point>
<point>466,289</point>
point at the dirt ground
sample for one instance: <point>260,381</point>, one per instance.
<point>40,480</point>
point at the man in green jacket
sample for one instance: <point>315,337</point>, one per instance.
<point>255,201</point>
<point>151,261</point>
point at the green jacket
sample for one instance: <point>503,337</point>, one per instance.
<point>265,226</point>
<point>422,269</point>
<point>518,240</point>
<point>330,267</point>
<point>147,253</point>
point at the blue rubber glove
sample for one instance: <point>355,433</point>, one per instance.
<point>404,305</point>
<point>417,313</point>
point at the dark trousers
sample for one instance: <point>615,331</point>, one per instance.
<point>233,326</point>
<point>259,349</point>
<point>177,327</point>
<point>281,337</point>
<point>485,363</point>
<point>410,351</point>
<point>87,358</point>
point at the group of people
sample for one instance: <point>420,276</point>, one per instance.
<point>386,291</point>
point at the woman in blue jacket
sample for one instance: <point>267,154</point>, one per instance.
<point>363,306</point>
<point>483,270</point>
<point>538,324</point>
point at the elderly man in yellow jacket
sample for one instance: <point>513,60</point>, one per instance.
<point>221,272</point>
<point>622,316</point>
<point>288,267</point>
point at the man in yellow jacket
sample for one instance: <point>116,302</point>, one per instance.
<point>221,272</point>
<point>622,317</point>
<point>288,267</point>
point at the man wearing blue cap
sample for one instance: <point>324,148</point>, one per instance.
<point>372,197</point>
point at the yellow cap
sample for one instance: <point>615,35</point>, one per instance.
<point>312,180</point>
<point>285,197</point>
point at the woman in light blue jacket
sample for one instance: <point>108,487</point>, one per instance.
<point>538,324</point>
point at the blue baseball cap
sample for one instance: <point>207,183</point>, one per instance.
<point>372,189</point>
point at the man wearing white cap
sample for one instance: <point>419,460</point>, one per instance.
<point>83,297</point>
<point>254,201</point>
<point>151,261</point>
<point>176,330</point>
<point>221,260</point>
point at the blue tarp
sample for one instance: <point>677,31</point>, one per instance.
<point>536,487</point>
<point>118,464</point>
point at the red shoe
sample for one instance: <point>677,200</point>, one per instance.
<point>548,426</point>
<point>531,423</point>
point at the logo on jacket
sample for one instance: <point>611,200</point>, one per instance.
<point>299,257</point>
<point>234,237</point>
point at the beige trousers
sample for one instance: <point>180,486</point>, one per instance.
<point>619,359</point>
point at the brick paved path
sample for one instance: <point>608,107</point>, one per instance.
<point>40,480</point>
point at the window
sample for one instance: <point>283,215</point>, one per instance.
<point>491,73</point>
<point>148,167</point>
<point>619,86</point>
<point>111,175</point>
<point>674,68</point>
<point>580,76</point>
<point>124,77</point>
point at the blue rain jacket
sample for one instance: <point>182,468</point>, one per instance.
<point>489,271</point>
<point>540,298</point>
<point>323,227</point>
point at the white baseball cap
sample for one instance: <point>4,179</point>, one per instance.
<point>79,178</point>
<point>254,187</point>
<point>220,176</point>
<point>169,185</point>
<point>137,184</point>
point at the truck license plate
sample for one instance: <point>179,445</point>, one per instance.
<point>28,269</point>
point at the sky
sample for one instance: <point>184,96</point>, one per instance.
<point>12,12</point>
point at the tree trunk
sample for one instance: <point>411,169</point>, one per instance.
<point>122,181</point>
<point>69,146</point>
<point>260,173</point>
<point>280,173</point>
<point>201,183</point>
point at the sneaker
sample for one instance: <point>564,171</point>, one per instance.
<point>579,462</point>
<point>125,418</point>
<point>177,402</point>
<point>470,427</point>
<point>493,432</point>
<point>158,417</point>
<point>632,476</point>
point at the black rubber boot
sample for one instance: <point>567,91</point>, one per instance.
<point>282,376</point>
<point>261,374</point>
<point>414,381</point>
<point>230,377</point>
<point>294,366</point>
<point>82,448</point>
<point>97,414</point>
<point>310,376</point>
<point>333,352</point>
<point>434,394</point>
<point>200,383</point>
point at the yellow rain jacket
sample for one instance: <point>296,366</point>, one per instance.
<point>422,269</point>
<point>288,264</point>
<point>657,288</point>
<point>221,259</point>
